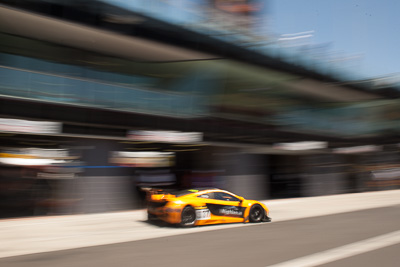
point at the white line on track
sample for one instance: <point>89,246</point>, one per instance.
<point>344,251</point>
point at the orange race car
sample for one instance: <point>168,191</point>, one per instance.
<point>204,206</point>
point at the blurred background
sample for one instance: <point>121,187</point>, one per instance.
<point>269,99</point>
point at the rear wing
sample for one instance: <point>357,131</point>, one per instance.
<point>154,194</point>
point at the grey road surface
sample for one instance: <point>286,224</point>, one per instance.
<point>23,236</point>
<point>388,256</point>
<point>257,245</point>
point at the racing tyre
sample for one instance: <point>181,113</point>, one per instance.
<point>188,216</point>
<point>256,213</point>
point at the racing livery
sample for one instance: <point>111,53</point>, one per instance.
<point>204,206</point>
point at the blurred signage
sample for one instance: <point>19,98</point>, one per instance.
<point>241,19</point>
<point>166,136</point>
<point>239,13</point>
<point>357,149</point>
<point>305,145</point>
<point>35,156</point>
<point>25,126</point>
<point>148,159</point>
<point>384,176</point>
<point>388,174</point>
<point>238,6</point>
<point>36,153</point>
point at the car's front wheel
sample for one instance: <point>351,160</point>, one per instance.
<point>188,216</point>
<point>256,213</point>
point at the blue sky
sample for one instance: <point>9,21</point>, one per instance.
<point>366,29</point>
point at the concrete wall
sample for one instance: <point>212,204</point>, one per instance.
<point>106,193</point>
<point>323,184</point>
<point>101,186</point>
<point>244,174</point>
<point>323,175</point>
<point>248,186</point>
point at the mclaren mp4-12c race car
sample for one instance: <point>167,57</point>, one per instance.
<point>194,207</point>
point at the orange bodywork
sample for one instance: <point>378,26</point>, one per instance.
<point>209,210</point>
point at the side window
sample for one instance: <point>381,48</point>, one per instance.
<point>209,195</point>
<point>225,196</point>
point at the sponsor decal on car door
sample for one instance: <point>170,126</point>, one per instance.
<point>224,204</point>
<point>222,209</point>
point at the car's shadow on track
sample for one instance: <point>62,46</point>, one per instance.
<point>162,224</point>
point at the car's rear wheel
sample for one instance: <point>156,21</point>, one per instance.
<point>256,213</point>
<point>188,216</point>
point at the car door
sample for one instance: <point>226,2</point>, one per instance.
<point>225,207</point>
